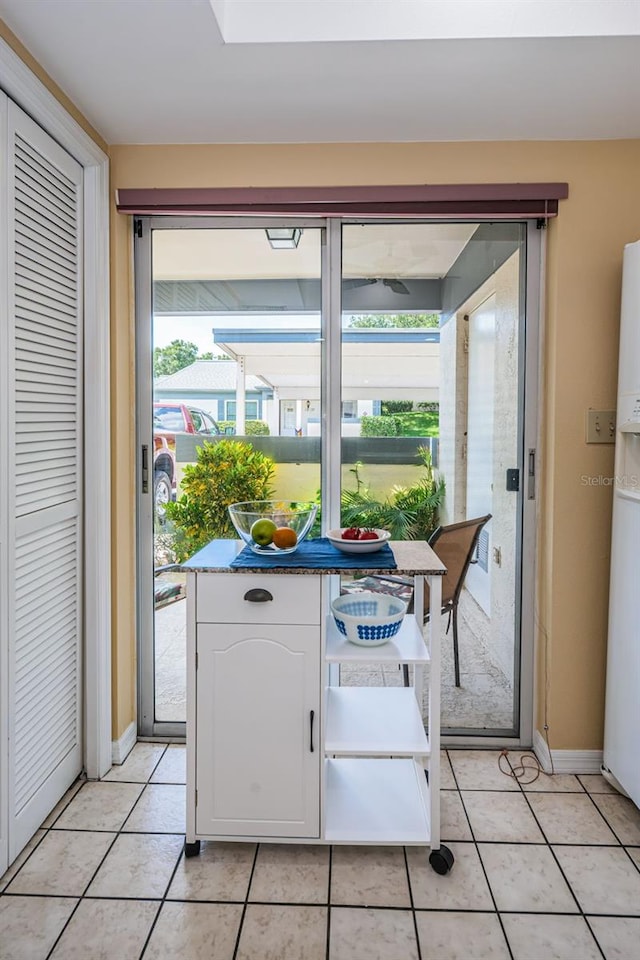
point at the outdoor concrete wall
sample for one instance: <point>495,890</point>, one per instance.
<point>301,481</point>
<point>453,417</point>
<point>580,364</point>
<point>504,284</point>
<point>503,574</point>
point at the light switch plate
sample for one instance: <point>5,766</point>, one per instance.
<point>601,426</point>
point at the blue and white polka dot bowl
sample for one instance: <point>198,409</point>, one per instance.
<point>368,619</point>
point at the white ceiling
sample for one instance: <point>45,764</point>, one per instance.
<point>158,71</point>
<point>371,250</point>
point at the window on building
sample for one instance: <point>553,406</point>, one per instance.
<point>251,409</point>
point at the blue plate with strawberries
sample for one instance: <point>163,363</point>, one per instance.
<point>358,539</point>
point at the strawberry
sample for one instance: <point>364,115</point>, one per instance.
<point>368,535</point>
<point>351,533</point>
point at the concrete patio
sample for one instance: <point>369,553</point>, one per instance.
<point>483,702</point>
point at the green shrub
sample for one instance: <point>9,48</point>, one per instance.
<point>378,427</point>
<point>252,428</point>
<point>409,513</point>
<point>389,407</point>
<point>228,471</point>
<point>429,406</point>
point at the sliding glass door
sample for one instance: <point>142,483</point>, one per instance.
<point>378,368</point>
<point>231,346</point>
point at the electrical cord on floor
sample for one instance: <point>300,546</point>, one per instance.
<point>529,764</point>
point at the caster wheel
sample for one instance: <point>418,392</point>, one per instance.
<point>191,849</point>
<point>441,860</point>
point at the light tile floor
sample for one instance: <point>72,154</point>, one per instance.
<point>545,871</point>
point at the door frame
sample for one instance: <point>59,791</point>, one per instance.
<point>29,93</point>
<point>531,279</point>
<point>530,366</point>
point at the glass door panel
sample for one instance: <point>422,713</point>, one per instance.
<point>431,401</point>
<point>236,354</point>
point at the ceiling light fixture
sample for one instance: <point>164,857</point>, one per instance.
<point>284,238</point>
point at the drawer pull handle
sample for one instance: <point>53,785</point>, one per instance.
<point>311,716</point>
<point>258,595</point>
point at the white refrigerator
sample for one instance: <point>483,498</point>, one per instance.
<point>622,713</point>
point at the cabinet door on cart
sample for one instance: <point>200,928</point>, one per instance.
<point>258,728</point>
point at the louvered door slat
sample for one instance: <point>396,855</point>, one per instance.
<point>33,753</point>
<point>58,552</point>
<point>41,647</point>
<point>37,616</point>
<point>50,316</point>
<point>36,256</point>
<point>41,220</point>
<point>30,168</point>
<point>55,464</point>
<point>48,676</point>
<point>43,251</point>
<point>37,291</point>
<point>50,170</point>
<point>45,326</point>
<point>44,198</point>
<point>40,273</point>
<point>46,452</point>
<point>38,760</point>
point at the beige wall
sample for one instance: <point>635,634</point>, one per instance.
<point>582,300</point>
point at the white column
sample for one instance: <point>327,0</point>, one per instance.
<point>273,418</point>
<point>240,398</point>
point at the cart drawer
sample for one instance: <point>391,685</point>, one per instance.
<point>240,598</point>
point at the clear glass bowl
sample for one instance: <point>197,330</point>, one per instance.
<point>287,524</point>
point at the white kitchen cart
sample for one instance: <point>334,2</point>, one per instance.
<point>276,750</point>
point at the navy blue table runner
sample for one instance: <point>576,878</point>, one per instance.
<point>318,553</point>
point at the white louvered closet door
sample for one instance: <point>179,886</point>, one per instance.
<point>45,474</point>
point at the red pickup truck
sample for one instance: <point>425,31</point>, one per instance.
<point>168,420</point>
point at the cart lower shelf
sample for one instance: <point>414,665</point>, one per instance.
<point>376,801</point>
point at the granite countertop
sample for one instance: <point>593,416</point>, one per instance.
<point>413,558</point>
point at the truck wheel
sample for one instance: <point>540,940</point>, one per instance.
<point>161,494</point>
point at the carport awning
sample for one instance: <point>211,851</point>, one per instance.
<point>377,364</point>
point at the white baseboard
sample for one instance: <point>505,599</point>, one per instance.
<point>120,749</point>
<point>566,761</point>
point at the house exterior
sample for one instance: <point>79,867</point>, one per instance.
<point>211,385</point>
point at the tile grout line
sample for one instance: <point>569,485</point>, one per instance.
<point>46,831</point>
<point>610,826</point>
<point>163,900</point>
<point>328,931</point>
<point>564,876</point>
<point>80,897</point>
<point>597,942</point>
<point>106,854</point>
<point>552,851</point>
<point>413,906</point>
<point>475,842</point>
<point>246,903</point>
<point>148,780</point>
